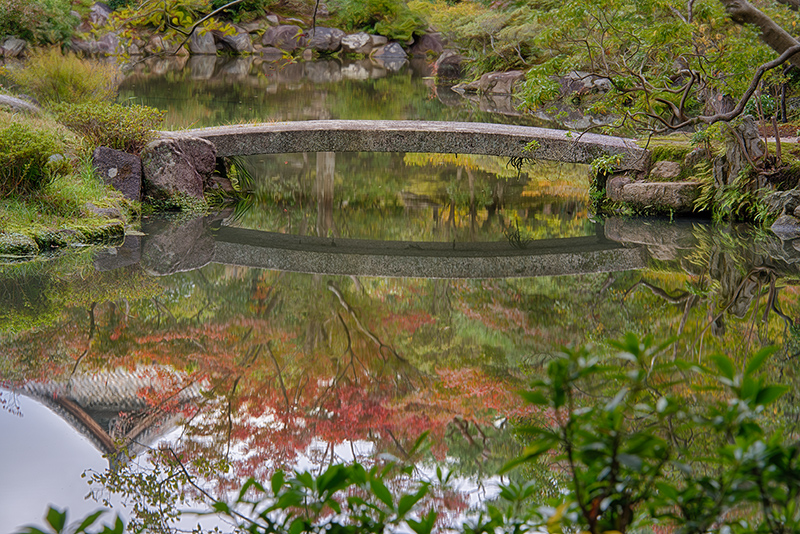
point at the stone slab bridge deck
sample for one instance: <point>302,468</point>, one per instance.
<point>418,136</point>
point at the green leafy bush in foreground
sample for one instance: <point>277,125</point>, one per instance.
<point>24,153</point>
<point>636,442</point>
<point>127,128</point>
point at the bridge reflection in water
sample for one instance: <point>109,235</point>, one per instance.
<point>417,259</point>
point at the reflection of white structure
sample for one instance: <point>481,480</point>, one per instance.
<point>109,409</point>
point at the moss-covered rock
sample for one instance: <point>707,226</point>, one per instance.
<point>15,244</point>
<point>109,232</point>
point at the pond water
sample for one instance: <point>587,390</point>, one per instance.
<point>330,317</point>
<point>209,91</point>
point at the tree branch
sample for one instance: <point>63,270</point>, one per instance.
<point>711,119</point>
<point>743,12</point>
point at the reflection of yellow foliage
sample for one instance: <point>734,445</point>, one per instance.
<point>556,188</point>
<point>490,164</point>
<point>542,174</point>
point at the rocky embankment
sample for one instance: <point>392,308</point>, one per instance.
<point>270,38</point>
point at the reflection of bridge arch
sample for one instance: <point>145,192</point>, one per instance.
<point>93,404</point>
<point>404,259</point>
<point>418,136</point>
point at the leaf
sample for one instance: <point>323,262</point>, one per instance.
<point>287,500</point>
<point>220,506</point>
<point>119,528</point>
<point>537,448</point>
<point>333,479</point>
<point>554,521</point>
<point>56,519</point>
<point>725,366</point>
<point>424,526</point>
<point>419,443</point>
<point>297,526</point>
<point>769,394</point>
<point>407,502</point>
<point>758,359</point>
<point>667,490</point>
<point>277,482</point>
<point>380,491</point>
<point>88,521</point>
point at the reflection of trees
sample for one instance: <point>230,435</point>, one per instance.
<point>730,276</point>
<point>441,197</point>
<point>293,366</point>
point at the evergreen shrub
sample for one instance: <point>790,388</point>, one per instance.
<point>127,128</point>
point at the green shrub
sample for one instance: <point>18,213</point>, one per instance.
<point>391,18</point>
<point>37,21</point>
<point>127,128</point>
<point>245,11</point>
<point>24,152</point>
<point>119,4</point>
<point>53,77</point>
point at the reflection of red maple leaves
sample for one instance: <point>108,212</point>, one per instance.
<point>270,397</point>
<point>408,323</point>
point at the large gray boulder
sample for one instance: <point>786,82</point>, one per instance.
<point>202,42</point>
<point>391,50</point>
<point>357,43</point>
<point>155,45</point>
<point>782,202</point>
<point>107,45</point>
<point>119,169</point>
<point>285,37</point>
<point>18,104</point>
<point>448,66</point>
<point>786,227</point>
<point>581,83</point>
<point>325,39</point>
<point>13,47</point>
<point>665,170</point>
<point>427,44</point>
<point>99,13</point>
<point>676,196</point>
<point>504,83</point>
<point>392,57</point>
<point>238,43</point>
<point>177,167</point>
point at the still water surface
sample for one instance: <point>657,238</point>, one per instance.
<point>178,340</point>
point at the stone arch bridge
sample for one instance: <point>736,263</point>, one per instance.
<point>419,136</point>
